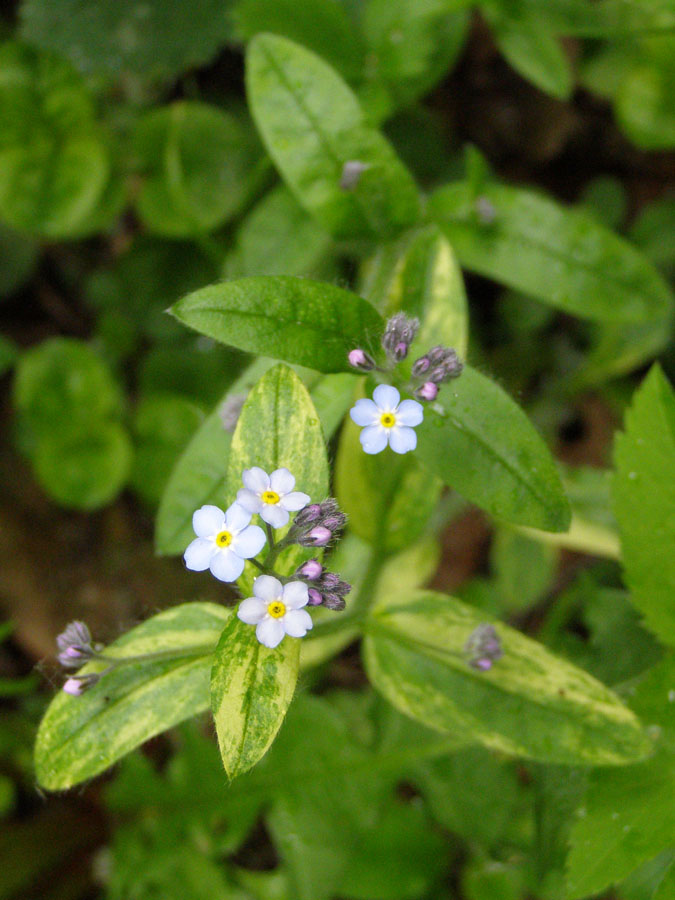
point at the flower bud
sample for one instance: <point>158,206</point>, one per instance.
<point>315,597</point>
<point>75,645</point>
<point>420,366</point>
<point>361,360</point>
<point>333,601</point>
<point>428,391</point>
<point>79,684</point>
<point>330,581</point>
<point>319,536</point>
<point>336,522</point>
<point>483,647</point>
<point>308,515</point>
<point>311,570</point>
<point>352,171</point>
<point>400,351</point>
<point>399,333</point>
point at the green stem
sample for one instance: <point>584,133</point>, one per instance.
<point>196,650</point>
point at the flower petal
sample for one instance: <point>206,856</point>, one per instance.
<point>270,632</point>
<point>410,412</point>
<point>274,514</point>
<point>255,479</point>
<point>252,610</point>
<point>198,554</point>
<point>282,481</point>
<point>208,520</point>
<point>402,439</point>
<point>249,542</point>
<point>374,438</point>
<point>294,501</point>
<point>267,588</point>
<point>295,594</point>
<point>236,518</point>
<point>226,565</point>
<point>364,412</point>
<point>386,397</point>
<point>297,622</point>
<point>251,502</point>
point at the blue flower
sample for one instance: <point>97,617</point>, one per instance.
<point>387,420</point>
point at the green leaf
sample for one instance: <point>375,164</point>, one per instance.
<point>81,736</point>
<point>156,39</point>
<point>644,100</point>
<point>529,704</point>
<point>311,124</point>
<point>279,428</point>
<point>198,477</point>
<point>300,321</point>
<point>483,445</point>
<point>524,569</point>
<point>54,166</point>
<point>199,167</point>
<point>644,499</point>
<point>559,256</point>
<point>628,815</point>
<point>526,41</point>
<point>17,260</point>
<point>251,689</point>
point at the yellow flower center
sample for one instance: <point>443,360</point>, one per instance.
<point>276,609</point>
<point>388,420</point>
<point>223,539</point>
<point>270,497</point>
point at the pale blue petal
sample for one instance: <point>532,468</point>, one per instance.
<point>226,565</point>
<point>294,501</point>
<point>250,501</point>
<point>208,520</point>
<point>386,397</point>
<point>198,554</point>
<point>295,595</point>
<point>252,610</point>
<point>402,439</point>
<point>255,479</point>
<point>364,412</point>
<point>236,518</point>
<point>410,413</point>
<point>274,515</point>
<point>249,542</point>
<point>297,623</point>
<point>374,438</point>
<point>270,632</point>
<point>282,481</point>
<point>267,588</point>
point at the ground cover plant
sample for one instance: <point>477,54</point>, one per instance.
<point>339,501</point>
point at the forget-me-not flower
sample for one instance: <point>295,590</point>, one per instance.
<point>387,420</point>
<point>224,540</point>
<point>271,496</point>
<point>276,610</point>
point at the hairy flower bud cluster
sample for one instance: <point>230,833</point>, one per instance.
<point>75,646</point>
<point>438,365</point>
<point>326,588</point>
<point>399,333</point>
<point>483,647</point>
<point>317,524</point>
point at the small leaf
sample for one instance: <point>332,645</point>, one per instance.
<point>644,500</point>
<point>312,124</point>
<point>559,256</point>
<point>529,704</point>
<point>300,321</point>
<point>251,689</point>
<point>483,445</point>
<point>81,736</point>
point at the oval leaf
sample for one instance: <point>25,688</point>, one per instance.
<point>305,322</point>
<point>483,445</point>
<point>81,736</point>
<point>251,689</point>
<point>557,255</point>
<point>312,124</point>
<point>529,704</point>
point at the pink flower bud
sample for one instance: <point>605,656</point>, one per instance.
<point>319,536</point>
<point>428,391</point>
<point>360,360</point>
<point>312,569</point>
<point>315,598</point>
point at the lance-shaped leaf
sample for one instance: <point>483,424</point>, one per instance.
<point>312,125</point>
<point>251,689</point>
<point>81,736</point>
<point>482,444</point>
<point>559,256</point>
<point>644,500</point>
<point>529,704</point>
<point>293,319</point>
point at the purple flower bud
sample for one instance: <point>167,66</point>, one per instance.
<point>75,645</point>
<point>333,601</point>
<point>483,647</point>
<point>351,174</point>
<point>436,355</point>
<point>315,598</point>
<point>317,537</point>
<point>308,515</point>
<point>483,664</point>
<point>335,523</point>
<point>330,581</point>
<point>420,366</point>
<point>78,685</point>
<point>400,351</point>
<point>361,360</point>
<point>399,333</point>
<point>437,375</point>
<point>428,391</point>
<point>311,570</point>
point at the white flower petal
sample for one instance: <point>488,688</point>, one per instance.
<point>255,479</point>
<point>252,610</point>
<point>409,412</point>
<point>208,520</point>
<point>294,501</point>
<point>274,514</point>
<point>364,412</point>
<point>250,501</point>
<point>236,518</point>
<point>297,623</point>
<point>402,439</point>
<point>267,588</point>
<point>198,554</point>
<point>374,438</point>
<point>249,542</point>
<point>295,594</point>
<point>270,632</point>
<point>226,565</point>
<point>386,397</point>
<point>282,481</point>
